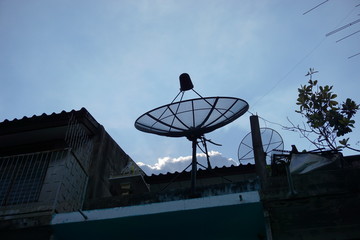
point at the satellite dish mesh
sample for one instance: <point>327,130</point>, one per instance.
<point>191,118</point>
<point>271,141</point>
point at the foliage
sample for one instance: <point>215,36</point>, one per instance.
<point>324,115</point>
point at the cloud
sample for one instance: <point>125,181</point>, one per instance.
<point>168,164</point>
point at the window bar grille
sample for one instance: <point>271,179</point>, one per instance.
<point>79,141</point>
<point>3,184</point>
<point>17,185</point>
<point>41,163</point>
<point>8,177</point>
<point>44,168</point>
<point>82,140</point>
<point>23,170</point>
<point>22,177</point>
<point>10,171</point>
<point>27,181</point>
<point>71,131</point>
<point>70,138</point>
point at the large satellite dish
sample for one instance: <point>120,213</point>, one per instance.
<point>271,141</point>
<point>191,118</point>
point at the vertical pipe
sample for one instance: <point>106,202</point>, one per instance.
<point>292,191</point>
<point>207,153</point>
<point>194,166</point>
<point>259,154</point>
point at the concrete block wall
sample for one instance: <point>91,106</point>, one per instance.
<point>84,157</point>
<point>53,179</point>
<point>71,190</point>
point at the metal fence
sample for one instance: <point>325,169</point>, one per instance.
<point>79,141</point>
<point>22,176</point>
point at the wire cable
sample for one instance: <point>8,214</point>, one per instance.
<point>305,57</point>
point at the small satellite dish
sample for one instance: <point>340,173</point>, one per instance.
<point>271,141</point>
<point>191,118</point>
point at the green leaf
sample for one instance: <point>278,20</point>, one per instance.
<point>333,103</point>
<point>324,115</point>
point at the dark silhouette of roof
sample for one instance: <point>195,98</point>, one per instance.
<point>47,121</point>
<point>201,173</point>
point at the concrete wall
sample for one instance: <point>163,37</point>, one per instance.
<point>71,190</point>
<point>108,159</point>
<point>325,205</point>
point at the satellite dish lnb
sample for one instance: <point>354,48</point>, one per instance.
<point>185,82</point>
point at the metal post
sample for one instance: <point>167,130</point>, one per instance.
<point>207,155</point>
<point>292,191</point>
<point>194,166</point>
<point>259,154</point>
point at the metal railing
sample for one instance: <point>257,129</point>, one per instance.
<point>79,141</point>
<point>22,177</point>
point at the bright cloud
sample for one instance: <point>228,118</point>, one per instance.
<point>168,164</point>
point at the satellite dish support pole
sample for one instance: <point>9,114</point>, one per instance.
<point>194,166</point>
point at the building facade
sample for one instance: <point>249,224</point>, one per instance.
<point>54,164</point>
<point>62,176</point>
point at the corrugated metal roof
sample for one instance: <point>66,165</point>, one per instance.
<point>36,117</point>
<point>202,173</point>
<point>46,120</point>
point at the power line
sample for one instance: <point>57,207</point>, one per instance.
<point>289,72</point>
<point>347,36</point>
<point>315,7</point>
<point>343,27</point>
<point>271,122</point>
<point>354,55</point>
<point>309,53</point>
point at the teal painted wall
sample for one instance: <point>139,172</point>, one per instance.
<point>243,221</point>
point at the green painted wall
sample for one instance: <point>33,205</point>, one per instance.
<point>243,221</point>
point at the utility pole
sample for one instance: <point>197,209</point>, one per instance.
<point>259,154</point>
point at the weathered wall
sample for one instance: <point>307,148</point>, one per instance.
<point>107,159</point>
<point>325,206</point>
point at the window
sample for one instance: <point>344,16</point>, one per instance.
<point>21,177</point>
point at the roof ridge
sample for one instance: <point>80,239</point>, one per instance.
<point>161,174</point>
<point>43,115</point>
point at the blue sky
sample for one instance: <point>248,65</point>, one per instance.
<point>120,59</point>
